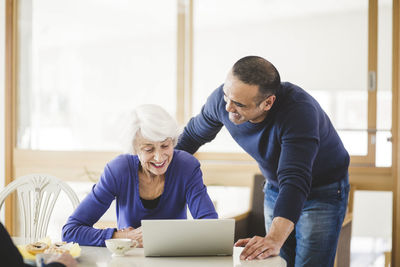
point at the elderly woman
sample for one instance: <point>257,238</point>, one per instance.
<point>153,182</point>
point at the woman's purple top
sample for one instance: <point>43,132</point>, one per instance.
<point>120,181</point>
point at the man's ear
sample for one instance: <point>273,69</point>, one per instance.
<point>269,102</point>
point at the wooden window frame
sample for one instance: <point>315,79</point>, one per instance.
<point>395,254</point>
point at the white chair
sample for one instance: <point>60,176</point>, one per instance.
<point>37,194</point>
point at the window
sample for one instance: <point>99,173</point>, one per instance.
<point>79,78</point>
<point>321,47</point>
<point>384,84</point>
<point>80,75</point>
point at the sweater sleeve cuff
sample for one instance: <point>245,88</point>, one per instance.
<point>107,234</point>
<point>289,203</point>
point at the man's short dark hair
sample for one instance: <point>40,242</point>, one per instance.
<point>254,70</point>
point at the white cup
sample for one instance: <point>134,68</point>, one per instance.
<point>118,246</point>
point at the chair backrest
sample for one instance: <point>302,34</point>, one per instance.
<point>256,220</point>
<point>37,194</point>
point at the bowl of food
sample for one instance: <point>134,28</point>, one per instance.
<point>31,251</point>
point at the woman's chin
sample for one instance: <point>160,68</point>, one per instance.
<point>156,171</point>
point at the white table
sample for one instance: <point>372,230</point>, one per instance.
<point>101,257</point>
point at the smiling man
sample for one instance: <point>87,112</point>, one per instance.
<point>243,101</point>
<point>298,151</point>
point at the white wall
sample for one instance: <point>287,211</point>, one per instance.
<point>2,83</point>
<point>372,214</point>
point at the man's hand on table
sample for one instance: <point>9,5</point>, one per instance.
<point>259,247</point>
<point>131,233</point>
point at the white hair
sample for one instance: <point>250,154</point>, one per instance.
<point>154,124</point>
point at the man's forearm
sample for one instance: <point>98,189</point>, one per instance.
<point>280,230</point>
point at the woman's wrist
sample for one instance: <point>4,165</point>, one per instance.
<point>122,233</point>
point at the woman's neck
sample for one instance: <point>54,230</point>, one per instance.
<point>150,186</point>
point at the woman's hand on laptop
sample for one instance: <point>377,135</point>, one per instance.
<point>131,233</point>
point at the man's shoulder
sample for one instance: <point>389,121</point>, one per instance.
<point>215,97</point>
<point>295,92</point>
<point>214,108</point>
<point>295,97</point>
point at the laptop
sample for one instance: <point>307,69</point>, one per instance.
<point>202,237</point>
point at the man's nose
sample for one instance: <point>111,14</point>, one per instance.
<point>229,107</point>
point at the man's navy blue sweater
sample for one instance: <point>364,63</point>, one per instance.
<point>296,146</point>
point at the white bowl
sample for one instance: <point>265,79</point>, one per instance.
<point>118,246</point>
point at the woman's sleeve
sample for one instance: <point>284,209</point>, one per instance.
<point>79,227</point>
<point>199,202</point>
